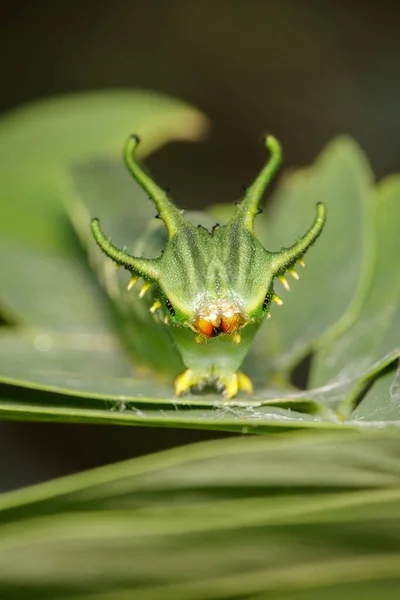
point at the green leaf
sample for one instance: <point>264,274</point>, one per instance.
<point>376,332</point>
<point>37,144</point>
<point>212,521</point>
<point>75,127</point>
<point>50,291</point>
<point>86,378</point>
<point>81,378</point>
<point>263,420</point>
<point>338,267</point>
<point>382,402</point>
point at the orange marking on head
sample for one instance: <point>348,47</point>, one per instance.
<point>231,323</point>
<point>204,327</point>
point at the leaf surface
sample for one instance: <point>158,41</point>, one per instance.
<point>382,402</point>
<point>87,378</point>
<point>214,520</point>
<point>376,332</point>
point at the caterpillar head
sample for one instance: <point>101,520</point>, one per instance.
<point>218,281</point>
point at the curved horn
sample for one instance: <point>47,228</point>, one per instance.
<point>143,267</point>
<point>168,212</point>
<point>248,207</point>
<point>283,260</point>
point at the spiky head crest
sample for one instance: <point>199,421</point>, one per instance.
<point>217,281</point>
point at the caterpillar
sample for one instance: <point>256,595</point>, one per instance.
<point>216,286</point>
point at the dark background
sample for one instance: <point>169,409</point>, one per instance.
<point>305,70</point>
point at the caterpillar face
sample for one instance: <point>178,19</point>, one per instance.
<point>213,282</point>
<point>217,319</point>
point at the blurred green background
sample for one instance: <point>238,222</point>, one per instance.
<point>304,70</point>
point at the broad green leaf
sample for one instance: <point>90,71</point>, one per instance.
<point>86,372</point>
<point>262,420</point>
<point>43,278</point>
<point>50,290</point>
<point>327,297</point>
<point>214,520</point>
<point>37,144</point>
<point>58,355</point>
<point>73,372</point>
<point>382,401</point>
<point>39,141</point>
<point>376,332</point>
<point>342,392</point>
<point>75,127</point>
<point>339,461</point>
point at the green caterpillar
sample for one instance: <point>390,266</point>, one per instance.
<point>214,287</point>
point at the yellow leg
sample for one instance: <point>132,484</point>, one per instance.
<point>232,382</point>
<point>185,380</point>
<point>235,382</point>
<point>245,383</point>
